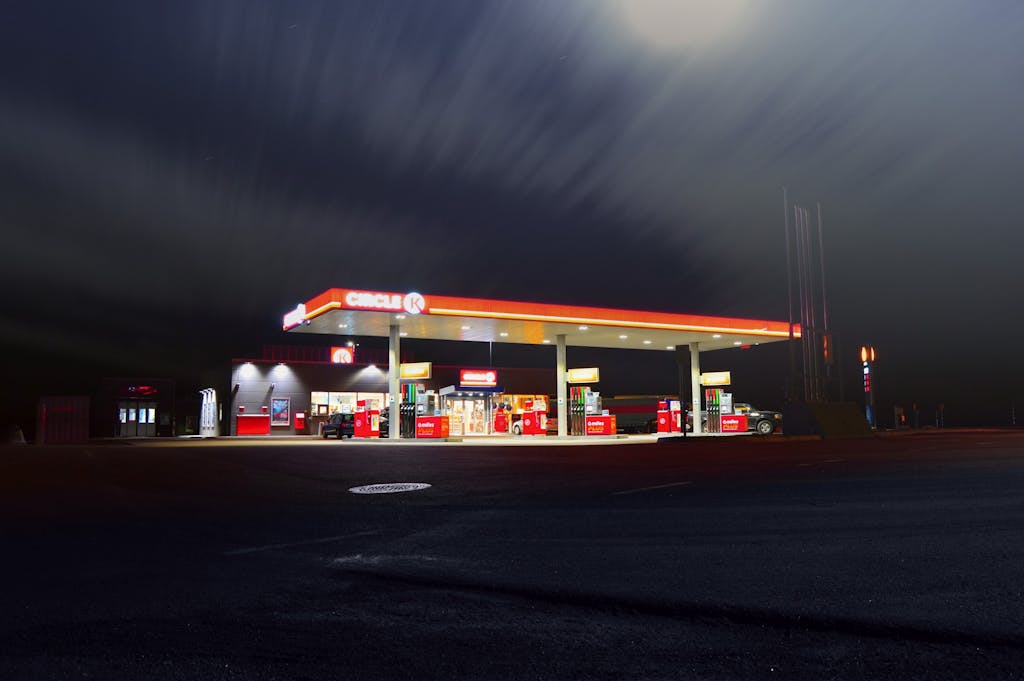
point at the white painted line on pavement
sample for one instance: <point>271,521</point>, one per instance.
<point>647,489</point>
<point>322,540</point>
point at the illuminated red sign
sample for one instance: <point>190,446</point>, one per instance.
<point>295,317</point>
<point>432,426</point>
<point>478,378</point>
<point>139,390</point>
<point>600,425</point>
<point>342,354</point>
<point>410,303</point>
<point>734,423</point>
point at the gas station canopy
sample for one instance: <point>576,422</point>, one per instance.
<point>355,312</point>
<point>341,311</point>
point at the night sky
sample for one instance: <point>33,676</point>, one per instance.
<point>175,176</point>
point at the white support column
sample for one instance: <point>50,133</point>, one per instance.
<point>394,388</point>
<point>695,387</point>
<point>563,407</point>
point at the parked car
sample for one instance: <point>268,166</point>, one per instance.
<point>760,421</point>
<point>339,425</point>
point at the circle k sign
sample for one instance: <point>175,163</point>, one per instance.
<point>414,303</point>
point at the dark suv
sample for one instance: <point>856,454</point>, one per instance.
<point>339,425</point>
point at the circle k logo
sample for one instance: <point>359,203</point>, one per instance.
<point>414,303</point>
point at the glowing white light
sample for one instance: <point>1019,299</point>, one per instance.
<point>681,24</point>
<point>717,335</point>
<point>647,342</point>
<point>546,340</point>
<point>623,337</point>
<point>503,334</point>
<point>584,328</point>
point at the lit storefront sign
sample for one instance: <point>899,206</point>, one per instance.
<point>295,317</point>
<point>477,378</point>
<point>716,378</point>
<point>415,371</point>
<point>342,354</point>
<point>410,303</point>
<point>588,375</point>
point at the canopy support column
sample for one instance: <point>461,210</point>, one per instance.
<point>394,388</point>
<point>563,408</point>
<point>694,389</point>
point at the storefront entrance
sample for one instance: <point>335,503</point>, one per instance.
<point>136,418</point>
<point>468,414</point>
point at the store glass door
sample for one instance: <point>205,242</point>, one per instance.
<point>468,415</point>
<point>136,418</point>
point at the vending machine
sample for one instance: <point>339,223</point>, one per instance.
<point>535,418</point>
<point>366,421</point>
<point>670,416</point>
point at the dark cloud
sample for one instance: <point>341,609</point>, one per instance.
<point>214,163</point>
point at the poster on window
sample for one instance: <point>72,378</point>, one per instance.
<point>280,411</point>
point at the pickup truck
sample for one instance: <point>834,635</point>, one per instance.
<point>760,421</point>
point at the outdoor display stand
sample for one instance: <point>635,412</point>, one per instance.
<point>366,421</point>
<point>734,423</point>
<point>601,425</point>
<point>432,426</point>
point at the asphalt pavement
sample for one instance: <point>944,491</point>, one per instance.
<point>735,558</point>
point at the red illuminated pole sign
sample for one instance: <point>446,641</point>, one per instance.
<point>867,361</point>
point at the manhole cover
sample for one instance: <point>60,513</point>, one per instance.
<point>389,488</point>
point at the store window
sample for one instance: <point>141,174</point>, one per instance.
<point>373,400</point>
<point>324,403</point>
